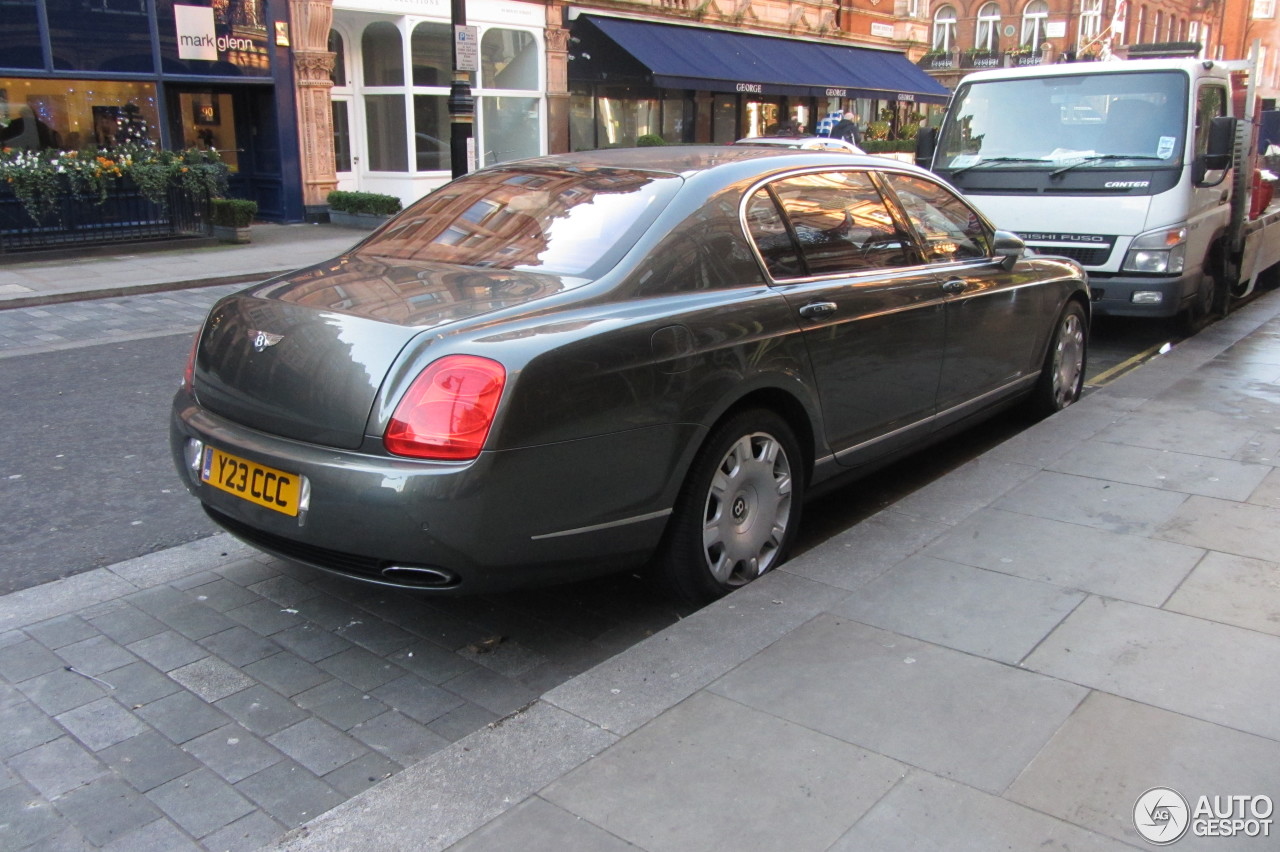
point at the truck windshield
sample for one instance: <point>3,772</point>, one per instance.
<point>1074,120</point>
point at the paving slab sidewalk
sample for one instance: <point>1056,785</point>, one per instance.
<point>1007,658</point>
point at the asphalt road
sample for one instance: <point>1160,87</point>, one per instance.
<point>85,477</point>
<point>86,480</point>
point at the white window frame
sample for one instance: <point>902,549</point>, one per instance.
<point>1034,18</point>
<point>986,34</point>
<point>1090,21</point>
<point>944,28</point>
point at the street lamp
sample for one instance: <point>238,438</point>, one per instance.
<point>462,106</point>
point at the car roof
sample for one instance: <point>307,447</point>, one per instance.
<point>690,159</point>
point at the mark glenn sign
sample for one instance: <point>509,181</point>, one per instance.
<point>199,36</point>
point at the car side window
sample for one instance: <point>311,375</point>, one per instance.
<point>769,232</point>
<point>842,223</point>
<point>950,229</point>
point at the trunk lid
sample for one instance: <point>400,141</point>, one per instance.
<point>303,356</point>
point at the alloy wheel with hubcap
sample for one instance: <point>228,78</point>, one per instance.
<point>738,510</point>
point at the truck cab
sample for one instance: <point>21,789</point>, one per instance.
<point>1123,166</point>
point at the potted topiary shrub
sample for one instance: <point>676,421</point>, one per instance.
<point>231,218</point>
<point>365,210</point>
<point>650,140</point>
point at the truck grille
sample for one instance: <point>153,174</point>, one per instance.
<point>1083,256</point>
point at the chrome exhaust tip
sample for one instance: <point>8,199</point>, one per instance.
<point>420,576</point>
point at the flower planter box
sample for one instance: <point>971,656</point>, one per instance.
<point>229,234</point>
<point>363,221</point>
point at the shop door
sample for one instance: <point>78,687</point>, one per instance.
<point>240,124</point>
<point>260,175</point>
<point>346,155</point>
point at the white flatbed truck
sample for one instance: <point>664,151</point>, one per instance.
<point>1145,171</point>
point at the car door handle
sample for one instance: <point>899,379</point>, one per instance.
<point>955,285</point>
<point>818,310</point>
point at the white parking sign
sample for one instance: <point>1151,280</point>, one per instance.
<point>466,48</point>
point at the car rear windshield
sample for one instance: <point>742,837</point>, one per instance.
<point>562,221</point>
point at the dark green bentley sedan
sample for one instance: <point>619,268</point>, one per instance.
<point>586,363</point>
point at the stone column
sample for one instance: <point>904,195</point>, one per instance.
<point>312,67</point>
<point>557,81</point>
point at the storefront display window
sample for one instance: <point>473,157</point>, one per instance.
<point>624,114</point>
<point>341,137</point>
<point>509,60</point>
<point>207,120</point>
<point>380,45</point>
<point>386,133</point>
<point>20,35</point>
<point>111,35</point>
<point>724,121</point>
<point>677,118</point>
<point>510,128</point>
<point>431,133</point>
<point>339,50</point>
<point>432,48</point>
<point>405,122</point>
<point>75,114</point>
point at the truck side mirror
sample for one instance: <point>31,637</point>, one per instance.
<point>926,143</point>
<point>1219,151</point>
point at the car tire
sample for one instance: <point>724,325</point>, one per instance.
<point>738,509</point>
<point>1062,376</point>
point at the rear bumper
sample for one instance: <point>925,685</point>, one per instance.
<point>508,519</point>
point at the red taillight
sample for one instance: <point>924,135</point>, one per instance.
<point>447,411</point>
<point>189,373</point>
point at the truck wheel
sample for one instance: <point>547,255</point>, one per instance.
<point>738,509</point>
<point>1200,312</point>
<point>1062,377</point>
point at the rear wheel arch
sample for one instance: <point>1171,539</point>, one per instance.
<point>685,564</point>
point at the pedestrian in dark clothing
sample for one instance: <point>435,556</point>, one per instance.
<point>847,129</point>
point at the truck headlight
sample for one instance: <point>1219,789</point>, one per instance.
<point>1163,252</point>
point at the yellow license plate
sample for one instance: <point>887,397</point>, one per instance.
<point>257,483</point>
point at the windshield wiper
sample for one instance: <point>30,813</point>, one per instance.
<point>1095,158</point>
<point>989,160</point>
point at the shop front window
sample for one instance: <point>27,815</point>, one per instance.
<point>380,45</point>
<point>109,35</point>
<point>386,133</point>
<point>207,120</point>
<point>341,136</point>
<point>431,133</point>
<point>20,35</point>
<point>510,128</point>
<point>677,118</point>
<point>624,115</point>
<point>724,118</point>
<point>432,54</point>
<point>74,114</point>
<point>509,60</point>
<point>337,47</point>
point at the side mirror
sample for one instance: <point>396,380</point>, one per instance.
<point>1219,151</point>
<point>1009,247</point>
<point>926,144</point>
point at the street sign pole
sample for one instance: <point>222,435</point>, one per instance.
<point>462,106</point>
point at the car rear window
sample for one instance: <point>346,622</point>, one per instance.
<point>558,221</point>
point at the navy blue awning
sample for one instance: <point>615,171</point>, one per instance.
<point>683,57</point>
